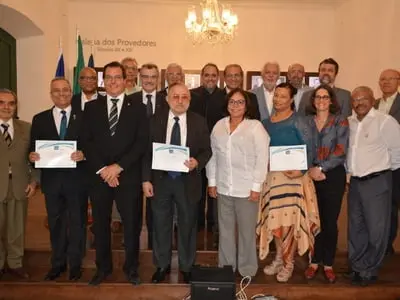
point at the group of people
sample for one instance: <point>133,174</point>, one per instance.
<point>229,133</point>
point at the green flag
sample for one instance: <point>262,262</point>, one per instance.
<point>80,64</point>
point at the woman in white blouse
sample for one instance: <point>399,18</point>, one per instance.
<point>235,172</point>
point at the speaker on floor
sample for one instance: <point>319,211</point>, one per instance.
<point>212,283</point>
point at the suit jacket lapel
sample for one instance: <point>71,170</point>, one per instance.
<point>52,126</point>
<point>162,121</point>
<point>395,106</point>
<point>263,105</point>
<point>189,130</point>
<point>159,103</point>
<point>17,133</point>
<point>123,113</point>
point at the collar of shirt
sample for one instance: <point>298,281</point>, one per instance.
<point>85,99</point>
<point>153,96</point>
<point>268,92</point>
<point>182,117</point>
<point>10,127</point>
<point>120,97</point>
<point>387,103</point>
<point>58,110</point>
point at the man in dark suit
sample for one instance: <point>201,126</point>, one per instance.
<point>176,126</point>
<point>233,75</point>
<point>209,103</point>
<point>328,70</point>
<point>149,74</point>
<point>114,138</point>
<point>18,183</point>
<point>389,103</point>
<point>88,84</point>
<point>64,193</point>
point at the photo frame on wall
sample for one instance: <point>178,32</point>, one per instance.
<point>192,79</point>
<point>100,81</point>
<point>254,80</point>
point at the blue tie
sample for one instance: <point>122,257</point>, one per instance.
<point>175,140</point>
<point>63,125</point>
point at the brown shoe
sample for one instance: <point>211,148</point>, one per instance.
<point>116,227</point>
<point>19,272</point>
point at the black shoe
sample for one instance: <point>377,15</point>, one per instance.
<point>54,273</point>
<point>355,278</point>
<point>390,251</point>
<point>99,277</point>
<point>133,277</point>
<point>186,277</point>
<point>2,272</point>
<point>366,281</point>
<point>75,274</point>
<point>160,274</point>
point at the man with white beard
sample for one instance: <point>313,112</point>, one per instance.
<point>328,70</point>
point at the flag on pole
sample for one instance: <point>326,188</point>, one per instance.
<point>91,61</point>
<point>80,64</point>
<point>60,66</point>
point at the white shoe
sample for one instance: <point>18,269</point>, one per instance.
<point>274,267</point>
<point>285,273</point>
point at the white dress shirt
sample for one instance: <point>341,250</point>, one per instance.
<point>84,99</point>
<point>386,105</point>
<point>58,115</point>
<point>10,130</point>
<point>374,144</point>
<point>239,162</point>
<point>269,97</point>
<point>182,125</point>
<point>119,103</point>
<point>153,99</point>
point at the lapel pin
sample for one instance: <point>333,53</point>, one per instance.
<point>74,117</point>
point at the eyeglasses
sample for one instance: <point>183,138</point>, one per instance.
<point>130,68</point>
<point>62,91</point>
<point>362,99</point>
<point>175,74</point>
<point>324,97</point>
<point>233,76</point>
<point>148,76</point>
<point>88,78</point>
<point>116,78</point>
<point>236,102</point>
<point>183,97</point>
<point>8,103</point>
<point>388,79</point>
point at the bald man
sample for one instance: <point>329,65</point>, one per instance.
<point>88,84</point>
<point>295,75</point>
<point>374,150</point>
<point>389,103</point>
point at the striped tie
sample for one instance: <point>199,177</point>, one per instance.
<point>6,134</point>
<point>113,118</point>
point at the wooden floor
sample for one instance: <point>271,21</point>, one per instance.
<point>37,263</point>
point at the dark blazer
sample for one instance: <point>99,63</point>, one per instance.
<point>395,109</point>
<point>76,102</point>
<point>44,128</point>
<point>161,102</point>
<point>255,114</point>
<point>210,106</point>
<point>125,148</point>
<point>197,139</point>
<point>343,98</point>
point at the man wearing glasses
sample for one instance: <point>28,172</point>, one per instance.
<point>114,138</point>
<point>88,84</point>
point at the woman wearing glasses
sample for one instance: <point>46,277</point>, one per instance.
<point>235,174</point>
<point>330,135</point>
<point>288,212</point>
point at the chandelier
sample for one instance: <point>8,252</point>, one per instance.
<point>214,26</point>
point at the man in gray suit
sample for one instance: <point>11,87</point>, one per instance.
<point>295,75</point>
<point>328,70</point>
<point>389,103</point>
<point>265,93</point>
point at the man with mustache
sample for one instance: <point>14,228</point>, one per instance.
<point>328,70</point>
<point>295,75</point>
<point>374,150</point>
<point>265,93</point>
<point>389,103</point>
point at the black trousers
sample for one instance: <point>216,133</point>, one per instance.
<point>168,193</point>
<point>211,215</point>
<point>129,203</point>
<point>67,213</point>
<point>395,208</point>
<point>329,194</point>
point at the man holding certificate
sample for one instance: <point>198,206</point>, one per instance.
<point>54,136</point>
<point>179,149</point>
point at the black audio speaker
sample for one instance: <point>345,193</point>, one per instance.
<point>212,283</point>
